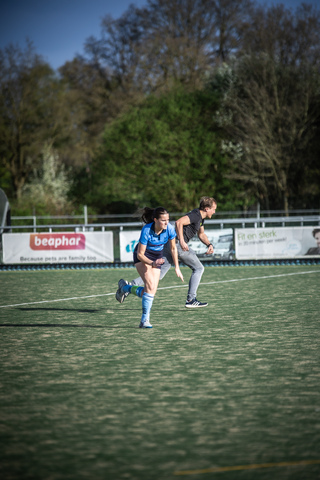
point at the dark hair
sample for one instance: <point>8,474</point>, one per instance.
<point>147,214</point>
<point>207,202</point>
<point>316,230</point>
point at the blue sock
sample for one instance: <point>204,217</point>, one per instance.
<point>147,300</point>
<point>139,291</point>
<point>127,288</point>
<point>133,289</point>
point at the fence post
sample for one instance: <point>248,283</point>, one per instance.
<point>85,208</point>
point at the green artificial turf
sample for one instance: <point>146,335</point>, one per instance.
<point>86,394</point>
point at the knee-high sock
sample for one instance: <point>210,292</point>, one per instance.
<point>139,291</point>
<point>147,300</point>
<point>133,289</point>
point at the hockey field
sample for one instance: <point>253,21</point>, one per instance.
<point>226,392</point>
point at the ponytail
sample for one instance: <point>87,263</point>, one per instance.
<point>147,214</point>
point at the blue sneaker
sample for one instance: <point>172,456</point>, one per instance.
<point>145,324</point>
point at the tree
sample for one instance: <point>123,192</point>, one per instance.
<point>272,97</point>
<point>168,42</point>
<point>88,88</point>
<point>49,186</point>
<point>118,50</point>
<point>99,86</point>
<point>30,112</point>
<point>291,38</point>
<point>163,153</point>
<point>270,113</point>
<point>230,18</point>
<point>177,45</point>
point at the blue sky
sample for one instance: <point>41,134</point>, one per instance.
<point>59,28</point>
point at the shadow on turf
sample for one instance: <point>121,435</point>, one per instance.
<point>66,325</point>
<point>87,310</point>
<point>80,310</point>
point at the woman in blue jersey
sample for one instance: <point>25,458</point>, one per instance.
<point>148,258</point>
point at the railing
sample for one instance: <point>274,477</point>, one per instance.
<point>220,223</point>
<point>125,218</point>
<point>267,221</point>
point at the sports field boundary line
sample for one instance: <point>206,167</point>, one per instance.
<point>247,467</point>
<point>242,279</point>
<point>162,288</point>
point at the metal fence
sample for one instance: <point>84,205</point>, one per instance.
<point>239,219</point>
<point>255,222</point>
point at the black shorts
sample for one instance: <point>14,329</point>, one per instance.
<point>151,254</point>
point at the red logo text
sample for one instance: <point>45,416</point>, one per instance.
<point>57,241</point>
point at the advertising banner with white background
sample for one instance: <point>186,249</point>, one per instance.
<point>128,241</point>
<point>222,241</point>
<point>75,247</point>
<point>275,243</point>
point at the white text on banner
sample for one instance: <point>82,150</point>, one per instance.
<point>274,243</point>
<point>62,247</point>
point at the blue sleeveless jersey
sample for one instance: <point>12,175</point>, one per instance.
<point>153,241</point>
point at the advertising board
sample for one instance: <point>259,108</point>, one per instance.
<point>68,247</point>
<point>222,241</point>
<point>277,242</point>
<point>128,241</point>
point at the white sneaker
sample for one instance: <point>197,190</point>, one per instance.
<point>145,324</point>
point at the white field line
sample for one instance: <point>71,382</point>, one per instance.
<point>247,467</point>
<point>242,279</point>
<point>162,288</point>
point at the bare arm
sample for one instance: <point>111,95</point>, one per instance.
<point>204,239</point>
<point>174,253</point>
<point>185,220</point>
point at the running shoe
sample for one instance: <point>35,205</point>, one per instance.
<point>145,324</point>
<point>195,304</point>
<point>120,294</point>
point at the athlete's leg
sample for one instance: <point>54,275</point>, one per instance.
<point>168,261</point>
<point>147,301</point>
<point>125,288</point>
<point>150,277</point>
<point>190,259</point>
<point>128,288</point>
<point>137,281</point>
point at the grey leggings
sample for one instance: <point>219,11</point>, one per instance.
<point>190,259</point>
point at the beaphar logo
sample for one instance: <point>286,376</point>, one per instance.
<point>57,241</point>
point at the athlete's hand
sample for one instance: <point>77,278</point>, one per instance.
<point>179,274</point>
<point>210,250</point>
<point>158,262</point>
<point>184,246</point>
